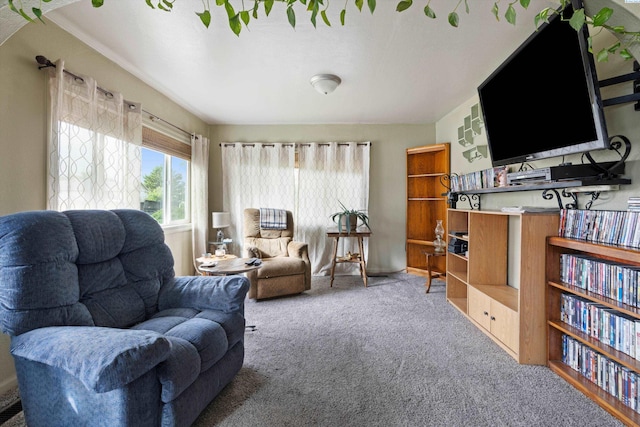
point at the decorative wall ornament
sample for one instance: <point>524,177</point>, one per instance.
<point>478,152</point>
<point>472,126</point>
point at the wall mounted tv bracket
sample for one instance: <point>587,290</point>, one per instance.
<point>635,96</point>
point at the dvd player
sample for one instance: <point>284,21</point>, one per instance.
<point>557,173</point>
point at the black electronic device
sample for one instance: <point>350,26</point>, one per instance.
<point>457,246</point>
<point>564,172</point>
<point>544,99</point>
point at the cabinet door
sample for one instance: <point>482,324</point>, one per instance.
<point>479,306</point>
<point>504,325</point>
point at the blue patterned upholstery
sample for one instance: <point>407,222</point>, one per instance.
<point>102,332</point>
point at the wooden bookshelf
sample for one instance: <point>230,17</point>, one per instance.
<point>426,203</point>
<point>500,285</point>
<point>556,246</point>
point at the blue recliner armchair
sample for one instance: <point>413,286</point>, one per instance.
<point>102,333</point>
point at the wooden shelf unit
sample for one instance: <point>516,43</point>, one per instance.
<point>426,203</point>
<point>500,285</point>
<point>557,246</point>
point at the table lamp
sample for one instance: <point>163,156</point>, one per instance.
<point>220,220</point>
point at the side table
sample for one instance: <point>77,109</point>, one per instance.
<point>232,265</point>
<point>359,234</point>
<point>431,253</point>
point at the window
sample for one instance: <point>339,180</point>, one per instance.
<point>165,178</point>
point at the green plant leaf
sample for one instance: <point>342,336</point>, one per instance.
<point>161,7</point>
<point>453,19</point>
<point>603,55</point>
<point>234,23</point>
<point>220,2</point>
<point>343,12</point>
<point>314,17</point>
<point>12,7</point>
<point>510,15</point>
<point>323,14</point>
<point>404,5</point>
<point>255,10</point>
<point>525,3</point>
<point>600,18</point>
<point>37,13</point>
<point>291,16</point>
<point>626,54</point>
<point>230,11</point>
<point>168,4</point>
<point>577,19</point>
<point>619,29</point>
<point>496,11</point>
<point>542,16</point>
<point>466,6</point>
<point>205,17</point>
<point>359,4</point>
<point>150,4</point>
<point>97,3</point>
<point>429,12</point>
<point>614,47</point>
<point>372,5</point>
<point>244,15</point>
<point>268,5</point>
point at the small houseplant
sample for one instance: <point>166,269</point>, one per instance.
<point>347,219</point>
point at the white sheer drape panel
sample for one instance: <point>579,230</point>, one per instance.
<point>330,174</point>
<point>94,155</point>
<point>199,194</point>
<point>256,175</point>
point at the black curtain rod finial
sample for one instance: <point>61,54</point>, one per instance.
<point>44,62</point>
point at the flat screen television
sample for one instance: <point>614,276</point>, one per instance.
<point>544,99</point>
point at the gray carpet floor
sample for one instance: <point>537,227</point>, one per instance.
<point>385,355</point>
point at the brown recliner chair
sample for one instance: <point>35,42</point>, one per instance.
<point>285,268</point>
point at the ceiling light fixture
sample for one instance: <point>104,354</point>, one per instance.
<point>325,83</point>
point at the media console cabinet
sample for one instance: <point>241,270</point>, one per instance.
<point>499,284</point>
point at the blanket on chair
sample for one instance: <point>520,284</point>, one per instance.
<point>273,219</point>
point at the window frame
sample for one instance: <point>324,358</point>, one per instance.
<point>170,148</point>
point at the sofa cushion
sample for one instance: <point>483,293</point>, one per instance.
<point>281,266</point>
<point>179,370</point>
<point>200,341</point>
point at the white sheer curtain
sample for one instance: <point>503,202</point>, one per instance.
<point>329,174</point>
<point>256,175</point>
<point>199,194</point>
<point>94,153</point>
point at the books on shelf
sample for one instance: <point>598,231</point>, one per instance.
<point>486,178</point>
<point>633,203</point>
<point>619,282</point>
<point>620,228</point>
<point>611,376</point>
<point>609,326</point>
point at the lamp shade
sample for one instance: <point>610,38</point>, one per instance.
<point>325,83</point>
<point>220,219</point>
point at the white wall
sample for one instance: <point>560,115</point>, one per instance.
<point>387,196</point>
<point>620,119</point>
<point>23,122</point>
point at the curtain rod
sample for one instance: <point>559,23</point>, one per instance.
<point>288,144</point>
<point>45,63</point>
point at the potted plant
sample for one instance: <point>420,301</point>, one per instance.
<point>347,219</point>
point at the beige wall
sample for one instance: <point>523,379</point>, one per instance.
<point>23,121</point>
<point>621,119</point>
<point>387,195</point>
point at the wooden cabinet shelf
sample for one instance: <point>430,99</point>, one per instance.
<point>426,166</point>
<point>500,284</point>
<point>560,333</point>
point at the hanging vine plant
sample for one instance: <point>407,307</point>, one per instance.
<point>238,18</point>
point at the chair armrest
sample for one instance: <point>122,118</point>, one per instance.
<point>223,293</point>
<point>298,250</point>
<point>103,359</point>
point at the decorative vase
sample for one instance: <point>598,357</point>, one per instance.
<point>439,244</point>
<point>348,223</point>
